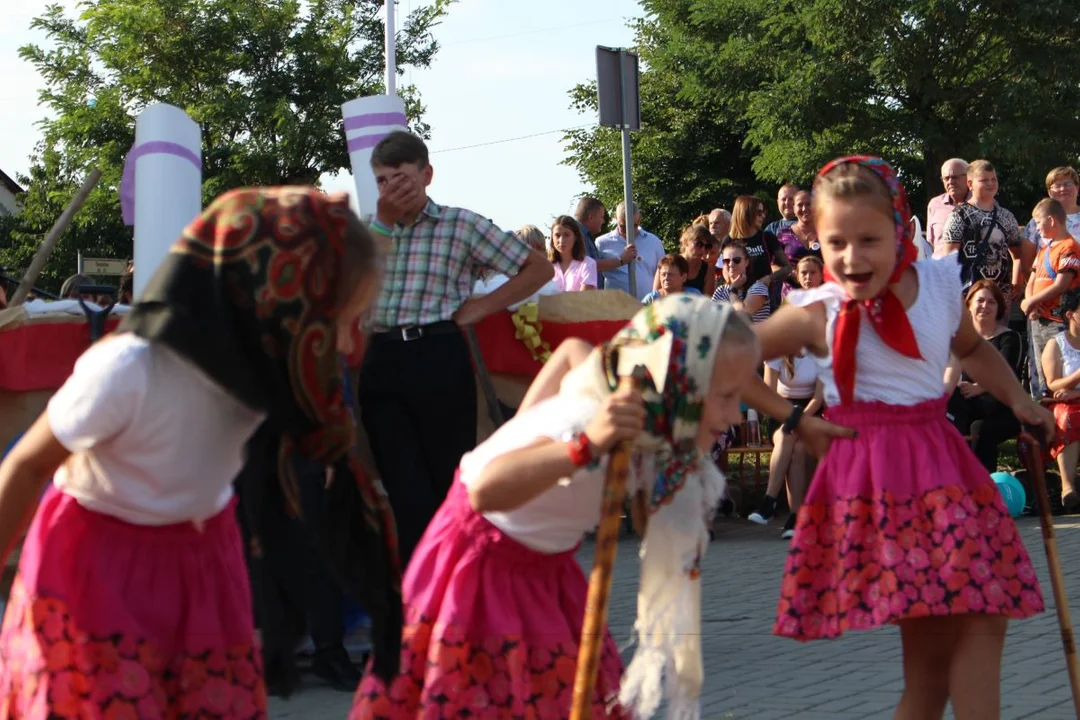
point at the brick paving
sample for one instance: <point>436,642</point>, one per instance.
<point>752,674</point>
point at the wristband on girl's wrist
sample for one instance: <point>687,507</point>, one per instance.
<point>579,447</point>
<point>793,420</point>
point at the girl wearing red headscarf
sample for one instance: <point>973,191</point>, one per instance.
<point>132,598</point>
<point>901,524</point>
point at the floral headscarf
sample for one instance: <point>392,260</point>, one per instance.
<point>676,340</point>
<point>885,311</point>
<point>249,295</point>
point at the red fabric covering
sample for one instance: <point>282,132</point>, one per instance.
<point>503,353</point>
<point>41,356</point>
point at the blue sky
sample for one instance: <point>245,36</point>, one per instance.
<point>503,72</point>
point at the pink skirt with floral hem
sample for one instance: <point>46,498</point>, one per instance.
<point>491,629</point>
<point>901,522</point>
<point>112,620</point>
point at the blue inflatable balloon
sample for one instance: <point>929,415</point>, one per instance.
<point>1012,492</point>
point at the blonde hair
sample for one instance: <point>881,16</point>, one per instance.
<point>692,234</point>
<point>1061,173</point>
<point>1049,207</point>
<point>533,237</point>
<point>810,260</point>
<point>848,181</point>
<point>979,166</point>
<point>701,220</point>
<point>738,333</point>
<point>744,216</point>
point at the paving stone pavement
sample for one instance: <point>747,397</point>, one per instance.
<point>752,674</point>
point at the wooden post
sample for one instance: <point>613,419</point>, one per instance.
<point>49,243</point>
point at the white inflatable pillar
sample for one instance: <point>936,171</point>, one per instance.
<point>167,159</point>
<point>367,121</point>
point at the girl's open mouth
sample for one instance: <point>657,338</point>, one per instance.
<point>859,278</point>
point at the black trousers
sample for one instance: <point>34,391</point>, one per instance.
<point>418,405</point>
<point>292,585</point>
<point>993,421</point>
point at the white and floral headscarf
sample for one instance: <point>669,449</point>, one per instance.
<point>676,340</point>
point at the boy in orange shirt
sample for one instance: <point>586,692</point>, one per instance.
<point>1056,270</point>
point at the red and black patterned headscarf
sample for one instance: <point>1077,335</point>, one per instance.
<point>885,311</point>
<point>250,295</point>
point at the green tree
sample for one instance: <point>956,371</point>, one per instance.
<point>797,82</point>
<point>265,80</point>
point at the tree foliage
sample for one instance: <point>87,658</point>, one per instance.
<point>265,80</point>
<point>790,84</point>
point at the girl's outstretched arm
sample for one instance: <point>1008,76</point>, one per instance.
<point>23,474</point>
<point>992,372</point>
<point>513,479</point>
<point>571,353</point>
<point>790,329</point>
<point>816,434</point>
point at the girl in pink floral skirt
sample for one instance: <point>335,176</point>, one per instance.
<point>901,524</point>
<point>132,597</point>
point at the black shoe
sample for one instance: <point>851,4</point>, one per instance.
<point>789,528</point>
<point>282,677</point>
<point>765,512</point>
<point>333,665</point>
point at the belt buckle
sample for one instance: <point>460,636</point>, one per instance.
<point>415,332</point>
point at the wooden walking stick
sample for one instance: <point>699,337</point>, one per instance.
<point>607,544</point>
<point>1032,452</point>
<point>49,243</point>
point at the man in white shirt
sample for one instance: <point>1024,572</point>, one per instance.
<point>649,253</point>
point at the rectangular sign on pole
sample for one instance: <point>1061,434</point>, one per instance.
<point>103,266</point>
<point>617,88</point>
<point>619,99</point>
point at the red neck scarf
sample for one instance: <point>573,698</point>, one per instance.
<point>885,311</point>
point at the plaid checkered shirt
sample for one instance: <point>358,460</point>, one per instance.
<point>433,264</point>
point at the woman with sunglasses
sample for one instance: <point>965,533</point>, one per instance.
<point>769,264</point>
<point>696,246</point>
<point>744,294</point>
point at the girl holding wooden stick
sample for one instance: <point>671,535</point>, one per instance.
<point>901,524</point>
<point>494,596</point>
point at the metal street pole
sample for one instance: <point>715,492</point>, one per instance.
<point>391,50</point>
<point>628,188</point>
<point>628,200</point>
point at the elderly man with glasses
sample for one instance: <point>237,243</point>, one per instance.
<point>954,178</point>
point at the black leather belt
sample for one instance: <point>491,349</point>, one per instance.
<point>408,333</point>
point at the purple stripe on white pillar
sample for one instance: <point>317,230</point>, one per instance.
<point>127,179</point>
<point>365,141</point>
<point>358,122</point>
